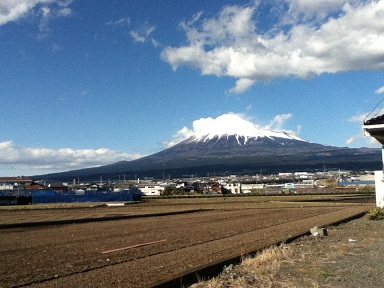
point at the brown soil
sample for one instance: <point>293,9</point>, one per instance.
<point>71,255</point>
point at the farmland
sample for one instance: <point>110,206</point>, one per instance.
<point>145,244</point>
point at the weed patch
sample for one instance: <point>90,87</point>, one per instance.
<point>376,214</point>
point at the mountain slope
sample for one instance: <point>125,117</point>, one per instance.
<point>220,154</point>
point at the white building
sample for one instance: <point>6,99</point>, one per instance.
<point>151,190</point>
<point>234,188</point>
<point>375,128</point>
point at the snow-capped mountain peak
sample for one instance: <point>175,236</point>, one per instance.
<point>233,125</point>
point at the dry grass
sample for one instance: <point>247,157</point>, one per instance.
<point>258,271</point>
<point>285,266</point>
<point>302,263</point>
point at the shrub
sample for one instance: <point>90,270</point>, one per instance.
<point>376,214</point>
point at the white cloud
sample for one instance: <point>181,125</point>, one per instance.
<point>232,121</point>
<point>358,118</point>
<point>56,47</point>
<point>354,138</point>
<point>14,10</point>
<point>357,138</point>
<point>121,21</point>
<point>182,134</point>
<point>137,37</point>
<point>142,34</point>
<point>242,85</point>
<point>279,121</point>
<point>46,14</point>
<point>28,158</point>
<point>363,140</point>
<point>348,36</point>
<point>319,9</point>
<point>64,12</point>
<point>379,90</point>
<point>360,138</point>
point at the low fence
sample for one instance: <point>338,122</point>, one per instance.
<point>52,196</point>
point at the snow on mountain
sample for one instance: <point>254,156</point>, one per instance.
<point>233,125</point>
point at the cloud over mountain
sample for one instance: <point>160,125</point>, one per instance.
<point>228,124</point>
<point>310,38</point>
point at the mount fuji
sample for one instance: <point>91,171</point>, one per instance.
<point>230,144</point>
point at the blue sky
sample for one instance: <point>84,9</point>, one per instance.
<point>91,83</point>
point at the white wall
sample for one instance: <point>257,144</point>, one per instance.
<point>379,187</point>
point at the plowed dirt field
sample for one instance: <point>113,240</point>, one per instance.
<point>144,244</point>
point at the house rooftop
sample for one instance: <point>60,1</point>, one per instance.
<point>374,126</point>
